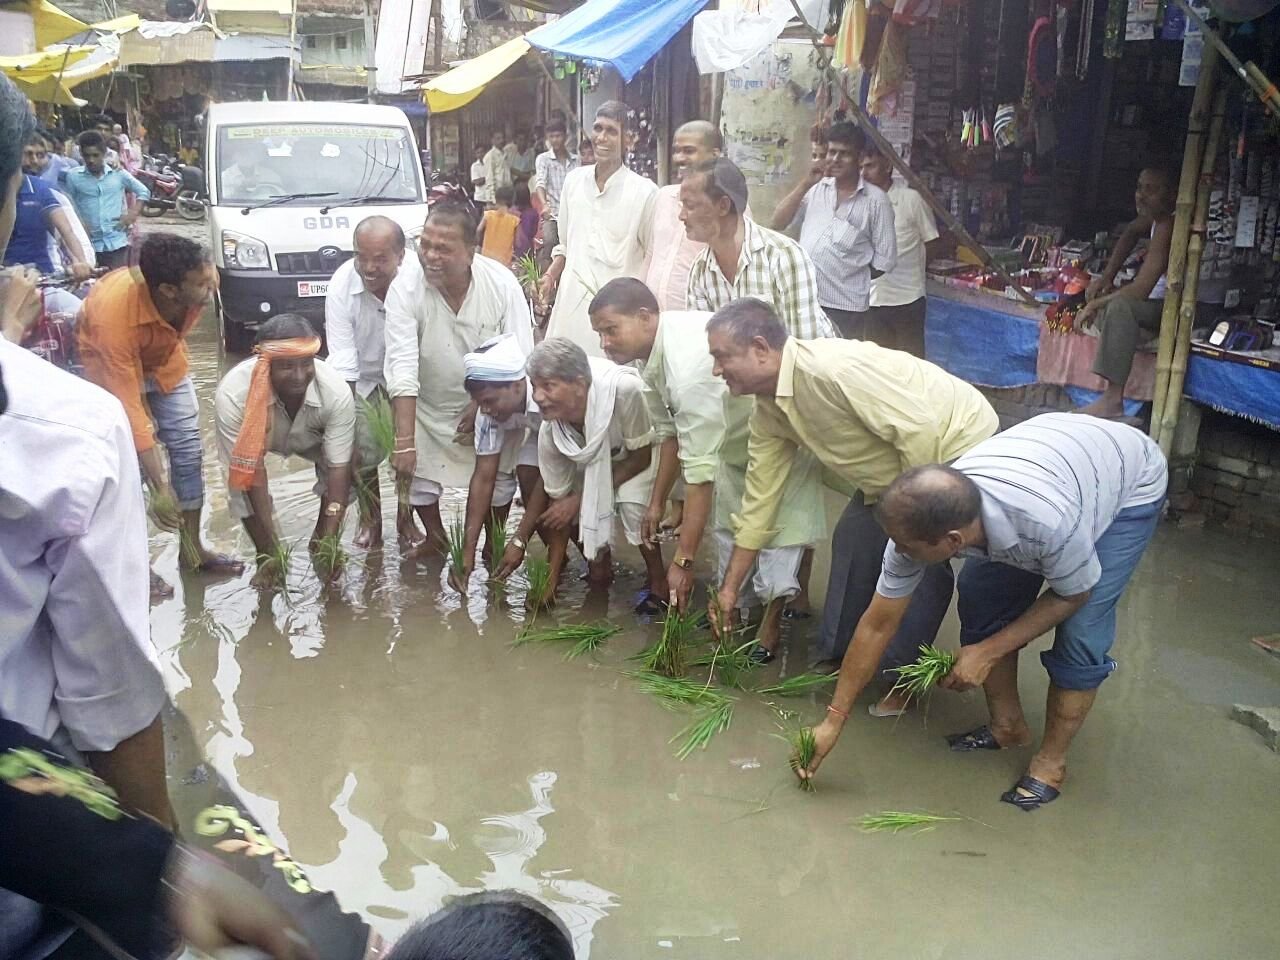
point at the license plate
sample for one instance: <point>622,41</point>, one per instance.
<point>313,288</point>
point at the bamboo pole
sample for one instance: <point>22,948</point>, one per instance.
<point>912,178</point>
<point>1188,181</point>
<point>1195,248</point>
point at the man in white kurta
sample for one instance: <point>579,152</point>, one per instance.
<point>443,304</point>
<point>604,224</point>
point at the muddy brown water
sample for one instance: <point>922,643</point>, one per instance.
<point>389,735</point>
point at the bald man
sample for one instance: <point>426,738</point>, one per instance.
<point>671,251</point>
<point>1062,500</point>
<point>355,319</point>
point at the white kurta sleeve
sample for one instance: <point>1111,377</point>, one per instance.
<point>557,470</point>
<point>340,332</point>
<point>516,318</point>
<point>400,366</point>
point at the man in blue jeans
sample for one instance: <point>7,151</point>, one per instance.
<point>1063,498</point>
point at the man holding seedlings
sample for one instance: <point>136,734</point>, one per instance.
<point>132,337</point>
<point>506,445</point>
<point>702,438</point>
<point>283,400</point>
<point>442,305</point>
<point>596,460</point>
<point>355,320</point>
<point>1063,499</point>
<point>866,414</point>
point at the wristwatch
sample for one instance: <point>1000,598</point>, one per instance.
<point>684,563</point>
<point>333,509</point>
<point>518,541</point>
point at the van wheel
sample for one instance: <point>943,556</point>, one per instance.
<point>235,338</point>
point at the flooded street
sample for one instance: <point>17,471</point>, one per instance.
<point>390,736</point>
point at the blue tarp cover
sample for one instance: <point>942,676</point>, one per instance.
<point>625,34</point>
<point>1250,392</point>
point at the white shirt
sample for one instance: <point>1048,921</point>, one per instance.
<point>914,226</point>
<point>426,342</point>
<point>477,174</point>
<point>354,328</point>
<point>1051,486</point>
<point>75,645</point>
<point>512,437</point>
<point>604,234</point>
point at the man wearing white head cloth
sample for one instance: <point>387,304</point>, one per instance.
<point>506,444</point>
<point>596,458</point>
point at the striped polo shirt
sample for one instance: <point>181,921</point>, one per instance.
<point>1050,488</point>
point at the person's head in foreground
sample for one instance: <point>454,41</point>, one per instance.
<point>379,251</point>
<point>179,273</point>
<point>609,132</point>
<point>496,378</point>
<point>625,315</point>
<point>931,513</point>
<point>1156,192</point>
<point>561,378</point>
<point>746,337</point>
<point>713,197</point>
<point>35,155</point>
<point>487,926</point>
<point>17,124</point>
<point>292,344</point>
<point>93,151</point>
<point>447,245</point>
<point>845,146</point>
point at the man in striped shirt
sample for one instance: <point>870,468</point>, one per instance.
<point>846,227</point>
<point>1065,499</point>
<point>743,259</point>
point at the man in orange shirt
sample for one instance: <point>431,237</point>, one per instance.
<point>131,332</point>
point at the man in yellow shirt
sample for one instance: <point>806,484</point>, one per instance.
<point>867,414</point>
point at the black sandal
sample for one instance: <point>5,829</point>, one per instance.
<point>1041,793</point>
<point>979,739</point>
<point>650,604</point>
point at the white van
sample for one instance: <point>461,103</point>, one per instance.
<point>288,182</point>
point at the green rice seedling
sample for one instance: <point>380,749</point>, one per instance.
<point>382,424</point>
<point>281,558</point>
<point>917,679</point>
<point>456,545</point>
<point>675,692</point>
<point>330,556</point>
<point>803,748</point>
<point>798,685</point>
<point>528,272</point>
<point>496,537</point>
<point>188,549</point>
<point>668,655</point>
<point>708,721</point>
<point>537,571</point>
<point>895,821</point>
<point>585,638</point>
<point>729,665</point>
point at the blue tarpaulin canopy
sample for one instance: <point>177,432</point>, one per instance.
<point>625,34</point>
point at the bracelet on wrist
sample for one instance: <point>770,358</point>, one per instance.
<point>843,715</point>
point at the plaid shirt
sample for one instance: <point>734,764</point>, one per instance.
<point>774,269</point>
<point>549,174</point>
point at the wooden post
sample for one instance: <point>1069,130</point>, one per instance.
<point>370,51</point>
<point>912,178</point>
<point>1195,247</point>
<point>1175,269</point>
<point>293,39</point>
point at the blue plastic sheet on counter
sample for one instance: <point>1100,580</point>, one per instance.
<point>981,346</point>
<point>1235,388</point>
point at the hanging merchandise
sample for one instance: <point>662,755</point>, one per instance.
<point>850,37</point>
<point>1005,127</point>
<point>1042,58</point>
<point>1113,29</point>
<point>877,20</point>
<point>1084,39</point>
<point>891,68</point>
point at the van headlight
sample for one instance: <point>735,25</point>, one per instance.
<point>240,252</point>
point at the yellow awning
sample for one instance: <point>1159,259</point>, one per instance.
<point>466,81</point>
<point>48,89</point>
<point>121,24</point>
<point>53,24</point>
<point>33,66</point>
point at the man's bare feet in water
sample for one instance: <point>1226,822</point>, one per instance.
<point>160,590</point>
<point>369,535</point>
<point>890,705</point>
<point>205,560</point>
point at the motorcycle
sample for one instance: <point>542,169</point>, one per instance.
<point>173,185</point>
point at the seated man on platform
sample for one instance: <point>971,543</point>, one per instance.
<point>596,460</point>
<point>1124,314</point>
<point>506,442</point>
<point>283,400</point>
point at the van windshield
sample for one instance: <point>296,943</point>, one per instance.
<point>258,161</point>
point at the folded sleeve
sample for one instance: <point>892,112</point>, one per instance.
<point>770,452</point>
<point>899,574</point>
<point>111,361</point>
<point>339,427</point>
<point>340,335</point>
<point>884,236</point>
<point>557,469</point>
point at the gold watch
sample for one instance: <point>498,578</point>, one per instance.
<point>684,563</point>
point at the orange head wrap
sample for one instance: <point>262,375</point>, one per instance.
<point>251,442</point>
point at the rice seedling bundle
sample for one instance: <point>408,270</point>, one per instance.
<point>729,665</point>
<point>895,821</point>
<point>708,721</point>
<point>456,545</point>
<point>803,748</point>
<point>528,273</point>
<point>496,536</point>
<point>798,685</point>
<point>329,553</point>
<point>675,692</point>
<point>583,638</point>
<point>668,655</point>
<point>382,424</point>
<point>917,679</point>
<point>538,572</point>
